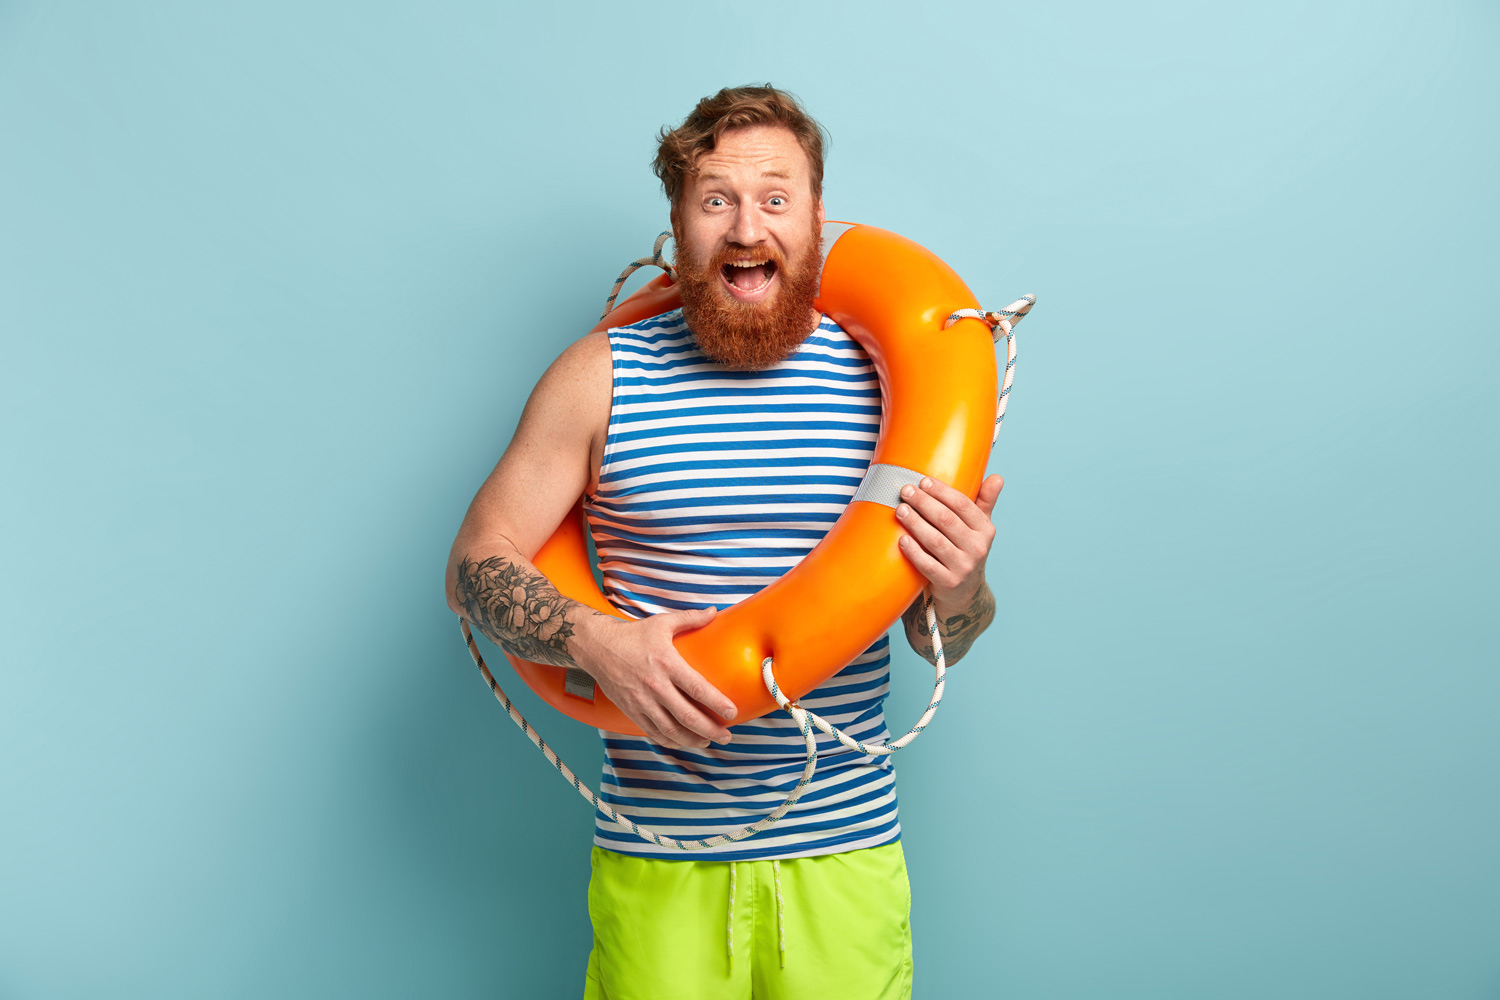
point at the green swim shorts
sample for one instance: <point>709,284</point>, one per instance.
<point>835,925</point>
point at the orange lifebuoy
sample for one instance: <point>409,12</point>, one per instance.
<point>938,388</point>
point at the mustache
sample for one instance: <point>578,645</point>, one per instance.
<point>737,251</point>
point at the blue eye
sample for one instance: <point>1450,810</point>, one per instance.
<point>778,201</point>
<point>716,202</point>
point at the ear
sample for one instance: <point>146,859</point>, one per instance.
<point>820,212</point>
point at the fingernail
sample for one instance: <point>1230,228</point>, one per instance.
<point>902,510</point>
<point>926,484</point>
<point>728,713</point>
<point>907,491</point>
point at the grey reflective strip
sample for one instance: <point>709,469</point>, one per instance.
<point>579,684</point>
<point>831,233</point>
<point>882,484</point>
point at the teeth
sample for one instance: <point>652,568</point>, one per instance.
<point>749,263</point>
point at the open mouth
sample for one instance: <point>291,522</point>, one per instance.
<point>748,277</point>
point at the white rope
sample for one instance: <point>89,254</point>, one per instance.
<point>640,831</point>
<point>869,749</point>
<point>653,260</point>
<point>805,721</point>
<point>1001,323</point>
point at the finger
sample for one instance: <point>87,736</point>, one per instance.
<point>686,621</point>
<point>960,505</point>
<point>989,494</point>
<point>696,719</point>
<point>918,522</point>
<point>670,732</point>
<point>693,684</point>
<point>682,720</point>
<point>654,733</point>
<point>936,572</point>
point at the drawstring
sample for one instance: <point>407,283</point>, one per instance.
<point>780,923</point>
<point>731,914</point>
<point>780,912</point>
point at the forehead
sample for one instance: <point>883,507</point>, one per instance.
<point>747,154</point>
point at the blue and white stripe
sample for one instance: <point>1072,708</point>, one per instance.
<point>713,484</point>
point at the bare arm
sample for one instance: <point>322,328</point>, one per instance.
<point>490,578</point>
<point>492,582</point>
<point>958,631</point>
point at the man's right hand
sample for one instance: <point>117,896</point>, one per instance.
<point>637,667</point>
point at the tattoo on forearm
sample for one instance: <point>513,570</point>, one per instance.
<point>518,609</point>
<point>957,631</point>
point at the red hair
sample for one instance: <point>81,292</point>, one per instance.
<point>734,107</point>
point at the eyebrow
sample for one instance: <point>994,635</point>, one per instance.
<point>764,173</point>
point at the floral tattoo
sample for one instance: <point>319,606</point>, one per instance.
<point>519,611</point>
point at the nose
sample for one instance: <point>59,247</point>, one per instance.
<point>747,230</point>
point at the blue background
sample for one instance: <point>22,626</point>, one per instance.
<point>277,278</point>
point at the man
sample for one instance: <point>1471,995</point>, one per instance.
<point>714,445</point>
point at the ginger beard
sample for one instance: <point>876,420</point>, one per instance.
<point>750,335</point>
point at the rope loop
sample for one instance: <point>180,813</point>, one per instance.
<point>808,739</point>
<point>655,260</point>
<point>1002,323</point>
<point>805,722</point>
<point>802,715</point>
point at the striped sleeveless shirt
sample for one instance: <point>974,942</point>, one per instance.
<point>713,484</point>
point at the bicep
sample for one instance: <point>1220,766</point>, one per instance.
<point>546,466</point>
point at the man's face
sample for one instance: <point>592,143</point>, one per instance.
<point>749,247</point>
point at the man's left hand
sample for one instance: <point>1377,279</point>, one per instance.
<point>949,537</point>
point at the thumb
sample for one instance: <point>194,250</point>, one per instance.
<point>989,494</point>
<point>685,621</point>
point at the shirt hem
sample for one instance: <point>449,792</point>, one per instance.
<point>790,851</point>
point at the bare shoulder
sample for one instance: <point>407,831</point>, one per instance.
<point>569,409</point>
<point>585,359</point>
<point>577,386</point>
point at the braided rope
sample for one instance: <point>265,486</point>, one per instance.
<point>869,749</point>
<point>1001,323</point>
<point>653,260</point>
<point>805,721</point>
<point>640,831</point>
